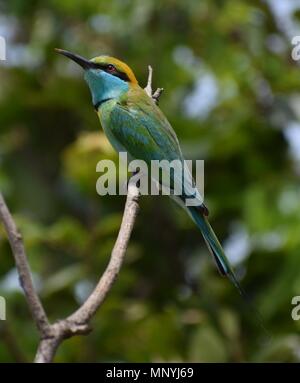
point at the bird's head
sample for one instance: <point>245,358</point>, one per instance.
<point>107,77</point>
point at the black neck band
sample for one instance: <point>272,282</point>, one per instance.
<point>99,103</point>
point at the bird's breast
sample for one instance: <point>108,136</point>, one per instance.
<point>104,114</point>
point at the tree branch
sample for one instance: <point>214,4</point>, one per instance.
<point>148,89</point>
<point>78,322</point>
<point>16,243</point>
<point>52,335</point>
<point>90,306</point>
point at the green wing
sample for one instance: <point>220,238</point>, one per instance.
<point>140,127</point>
<point>144,132</point>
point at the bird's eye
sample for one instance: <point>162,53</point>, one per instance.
<point>111,68</point>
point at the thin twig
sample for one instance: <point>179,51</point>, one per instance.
<point>148,89</point>
<point>16,243</point>
<point>93,302</point>
<point>156,95</point>
<point>78,322</point>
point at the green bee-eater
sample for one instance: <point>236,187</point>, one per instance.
<point>134,124</point>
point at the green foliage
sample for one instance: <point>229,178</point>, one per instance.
<point>169,303</point>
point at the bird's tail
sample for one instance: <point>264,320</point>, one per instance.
<point>215,247</point>
<point>220,259</point>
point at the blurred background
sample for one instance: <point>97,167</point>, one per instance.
<point>232,94</point>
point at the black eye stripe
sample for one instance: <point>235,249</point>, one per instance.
<point>123,76</point>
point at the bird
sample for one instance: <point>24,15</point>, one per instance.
<point>133,123</point>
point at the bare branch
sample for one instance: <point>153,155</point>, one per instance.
<point>88,309</point>
<point>16,244</point>
<point>156,95</point>
<point>78,322</point>
<point>148,88</point>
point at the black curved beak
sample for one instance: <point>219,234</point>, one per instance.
<point>84,63</point>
